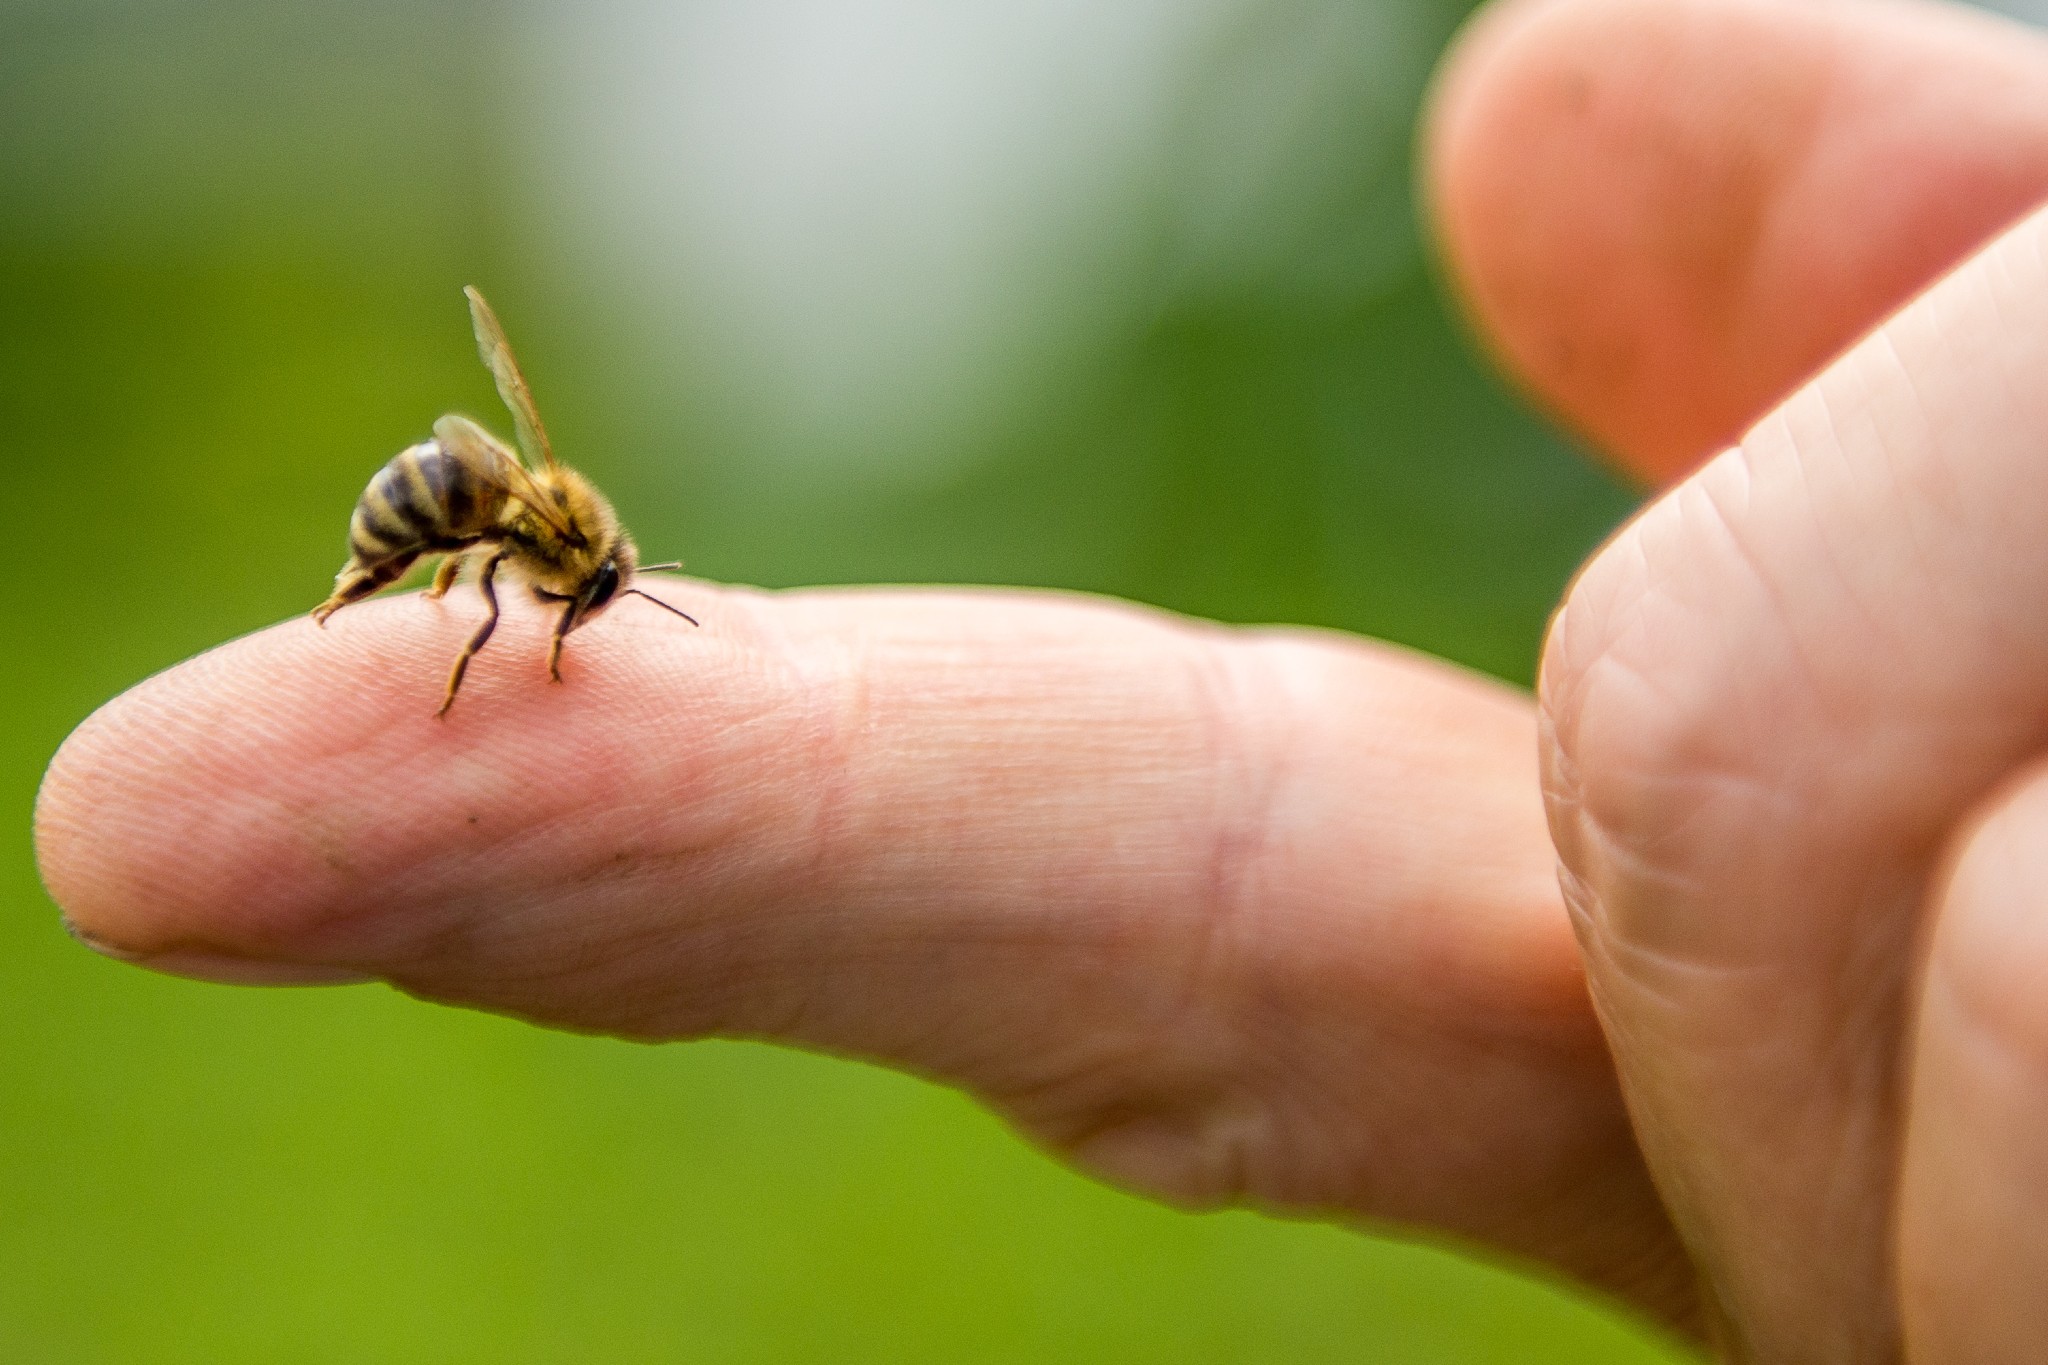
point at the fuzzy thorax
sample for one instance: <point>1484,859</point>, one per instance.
<point>565,566</point>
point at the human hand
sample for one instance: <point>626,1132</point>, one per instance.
<point>1793,714</point>
<point>1219,914</point>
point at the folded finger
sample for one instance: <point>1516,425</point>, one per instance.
<point>1665,215</point>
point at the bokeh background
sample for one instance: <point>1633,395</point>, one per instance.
<point>1117,295</point>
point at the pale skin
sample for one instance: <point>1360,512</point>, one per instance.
<point>1274,915</point>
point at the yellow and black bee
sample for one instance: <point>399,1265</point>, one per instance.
<point>465,495</point>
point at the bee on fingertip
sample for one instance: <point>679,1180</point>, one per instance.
<point>468,497</point>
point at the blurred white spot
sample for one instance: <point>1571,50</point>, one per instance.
<point>2033,11</point>
<point>875,226</point>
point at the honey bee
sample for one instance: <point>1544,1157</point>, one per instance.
<point>466,496</point>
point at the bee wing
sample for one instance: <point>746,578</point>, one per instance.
<point>496,353</point>
<point>486,457</point>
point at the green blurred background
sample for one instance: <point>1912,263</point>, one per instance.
<point>1122,297</point>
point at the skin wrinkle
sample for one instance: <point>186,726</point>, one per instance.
<point>1607,588</point>
<point>1214,1154</point>
<point>1939,496</point>
<point>2002,279</point>
<point>1836,446</point>
<point>1670,964</point>
<point>1064,1103</point>
<point>1616,621</point>
<point>1612,858</point>
<point>836,670</point>
<point>1010,934</point>
<point>1304,1161</point>
<point>1616,830</point>
<point>1948,468</point>
<point>495,943</point>
<point>1944,469</point>
<point>1106,1111</point>
<point>1685,725</point>
<point>1228,1141</point>
<point>2007,276</point>
<point>1729,526</point>
<point>1658,981</point>
<point>1246,770</point>
<point>1143,1145</point>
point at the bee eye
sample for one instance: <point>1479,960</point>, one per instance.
<point>602,587</point>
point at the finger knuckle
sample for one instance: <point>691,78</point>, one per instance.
<point>1652,764</point>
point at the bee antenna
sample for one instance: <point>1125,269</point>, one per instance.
<point>664,606</point>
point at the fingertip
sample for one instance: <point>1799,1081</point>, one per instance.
<point>121,842</point>
<point>1664,215</point>
<point>271,798</point>
<point>1602,169</point>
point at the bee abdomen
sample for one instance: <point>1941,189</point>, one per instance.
<point>423,500</point>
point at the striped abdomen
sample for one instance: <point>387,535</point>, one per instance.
<point>425,500</point>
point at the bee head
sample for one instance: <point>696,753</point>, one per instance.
<point>614,579</point>
<point>615,573</point>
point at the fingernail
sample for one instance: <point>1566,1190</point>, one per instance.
<point>98,945</point>
<point>222,967</point>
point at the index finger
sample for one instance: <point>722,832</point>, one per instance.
<point>1220,914</point>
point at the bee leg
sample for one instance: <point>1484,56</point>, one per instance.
<point>358,580</point>
<point>444,575</point>
<point>562,624</point>
<point>483,632</point>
